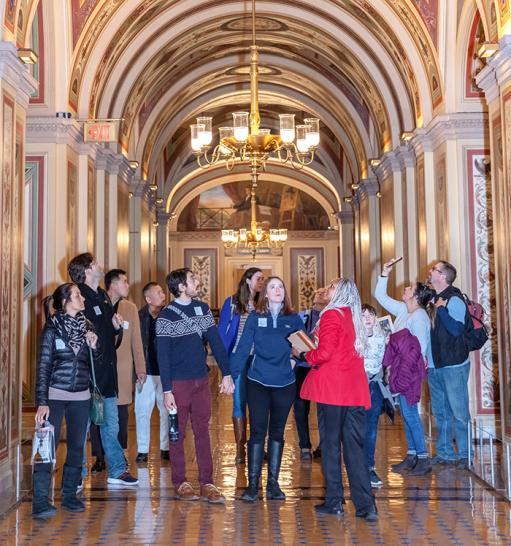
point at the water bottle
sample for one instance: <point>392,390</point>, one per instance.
<point>173,426</point>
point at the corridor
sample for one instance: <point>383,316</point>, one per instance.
<point>448,507</point>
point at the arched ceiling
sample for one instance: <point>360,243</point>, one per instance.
<point>367,68</point>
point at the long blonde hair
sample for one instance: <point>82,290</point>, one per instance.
<point>346,295</point>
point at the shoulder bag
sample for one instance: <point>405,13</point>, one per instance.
<point>97,402</point>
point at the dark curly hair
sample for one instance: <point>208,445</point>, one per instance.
<point>423,294</point>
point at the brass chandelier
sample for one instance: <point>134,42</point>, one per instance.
<point>246,142</point>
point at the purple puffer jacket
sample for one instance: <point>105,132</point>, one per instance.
<point>407,367</point>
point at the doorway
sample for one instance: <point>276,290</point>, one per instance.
<point>235,267</point>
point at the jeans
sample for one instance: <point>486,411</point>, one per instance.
<point>109,431</point>
<point>122,436</point>
<point>239,398</point>
<point>193,400</point>
<point>448,388</point>
<point>344,426</point>
<point>269,408</point>
<point>373,416</point>
<point>150,393</point>
<point>414,430</point>
<point>301,409</point>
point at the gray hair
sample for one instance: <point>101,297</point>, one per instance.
<point>346,295</point>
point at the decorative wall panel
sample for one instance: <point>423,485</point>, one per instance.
<point>72,195</point>
<point>203,262</point>
<point>307,275</point>
<point>483,274</point>
<point>441,209</point>
<point>421,218</point>
<point>91,207</point>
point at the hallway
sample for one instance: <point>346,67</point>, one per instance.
<point>448,507</point>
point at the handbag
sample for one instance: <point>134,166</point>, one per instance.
<point>97,402</point>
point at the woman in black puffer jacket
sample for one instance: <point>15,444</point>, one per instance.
<point>62,390</point>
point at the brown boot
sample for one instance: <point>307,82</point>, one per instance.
<point>240,436</point>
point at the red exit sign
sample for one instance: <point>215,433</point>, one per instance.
<point>100,131</point>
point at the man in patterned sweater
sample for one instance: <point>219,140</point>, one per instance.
<point>182,330</point>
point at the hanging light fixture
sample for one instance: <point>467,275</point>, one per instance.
<point>246,141</point>
<point>255,240</point>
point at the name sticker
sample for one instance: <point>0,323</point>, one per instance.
<point>262,322</point>
<point>198,311</point>
<point>59,344</point>
<point>97,310</point>
<point>125,325</point>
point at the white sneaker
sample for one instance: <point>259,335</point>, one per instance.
<point>124,479</point>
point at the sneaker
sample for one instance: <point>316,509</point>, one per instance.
<point>79,487</point>
<point>305,454</point>
<point>211,494</point>
<point>185,492</point>
<point>334,509</point>
<point>407,463</point>
<point>436,460</point>
<point>124,479</point>
<point>422,467</point>
<point>141,458</point>
<point>164,454</point>
<point>369,514</point>
<point>375,479</point>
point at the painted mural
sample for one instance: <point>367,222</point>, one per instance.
<point>429,13</point>
<point>228,207</point>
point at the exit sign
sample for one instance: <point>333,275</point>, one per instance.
<point>100,131</point>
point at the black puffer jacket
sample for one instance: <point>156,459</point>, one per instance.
<point>59,367</point>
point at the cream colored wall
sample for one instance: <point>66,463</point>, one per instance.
<point>123,228</point>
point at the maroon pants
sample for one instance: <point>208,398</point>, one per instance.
<point>193,399</point>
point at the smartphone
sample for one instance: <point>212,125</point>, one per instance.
<point>395,260</point>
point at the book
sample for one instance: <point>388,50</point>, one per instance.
<point>301,341</point>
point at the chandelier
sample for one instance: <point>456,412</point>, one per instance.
<point>245,141</point>
<point>255,240</point>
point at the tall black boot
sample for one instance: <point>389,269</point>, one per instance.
<point>41,479</point>
<point>273,491</point>
<point>71,476</point>
<point>255,463</point>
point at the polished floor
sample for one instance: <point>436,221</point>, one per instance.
<point>447,507</point>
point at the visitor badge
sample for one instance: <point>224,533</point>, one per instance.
<point>125,325</point>
<point>262,322</point>
<point>59,344</point>
<point>97,310</point>
<point>198,311</point>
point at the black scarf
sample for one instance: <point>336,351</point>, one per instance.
<point>71,328</point>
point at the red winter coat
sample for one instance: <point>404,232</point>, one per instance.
<point>337,376</point>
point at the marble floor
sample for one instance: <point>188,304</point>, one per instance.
<point>447,507</point>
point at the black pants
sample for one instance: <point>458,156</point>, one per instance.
<point>77,416</point>
<point>301,409</point>
<point>122,436</point>
<point>269,408</point>
<point>346,426</point>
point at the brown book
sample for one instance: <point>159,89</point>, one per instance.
<point>301,341</point>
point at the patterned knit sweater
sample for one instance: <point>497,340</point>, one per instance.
<point>181,351</point>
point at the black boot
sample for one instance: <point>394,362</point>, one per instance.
<point>407,463</point>
<point>273,491</point>
<point>255,463</point>
<point>41,479</point>
<point>71,476</point>
<point>422,467</point>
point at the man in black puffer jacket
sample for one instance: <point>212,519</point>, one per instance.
<point>86,272</point>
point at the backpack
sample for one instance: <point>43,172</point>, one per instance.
<point>476,333</point>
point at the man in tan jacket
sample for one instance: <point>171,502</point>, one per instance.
<point>130,351</point>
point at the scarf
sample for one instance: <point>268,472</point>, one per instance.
<point>72,328</point>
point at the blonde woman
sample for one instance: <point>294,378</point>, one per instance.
<point>338,384</point>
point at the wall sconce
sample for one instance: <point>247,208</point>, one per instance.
<point>156,223</point>
<point>27,55</point>
<point>153,187</point>
<point>133,164</point>
<point>406,136</point>
<point>374,163</point>
<point>130,195</point>
<point>159,200</point>
<point>378,194</point>
<point>355,186</point>
<point>487,50</point>
<point>348,199</point>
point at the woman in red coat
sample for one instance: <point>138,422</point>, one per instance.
<point>338,383</point>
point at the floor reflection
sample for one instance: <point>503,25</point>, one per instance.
<point>447,507</point>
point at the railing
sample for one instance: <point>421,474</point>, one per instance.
<point>214,219</point>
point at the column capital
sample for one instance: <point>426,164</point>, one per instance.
<point>345,216</point>
<point>368,187</point>
<point>16,74</point>
<point>163,217</point>
<point>55,131</point>
<point>501,61</point>
<point>455,126</point>
<point>486,79</point>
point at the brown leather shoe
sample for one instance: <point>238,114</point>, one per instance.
<point>211,494</point>
<point>185,492</point>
